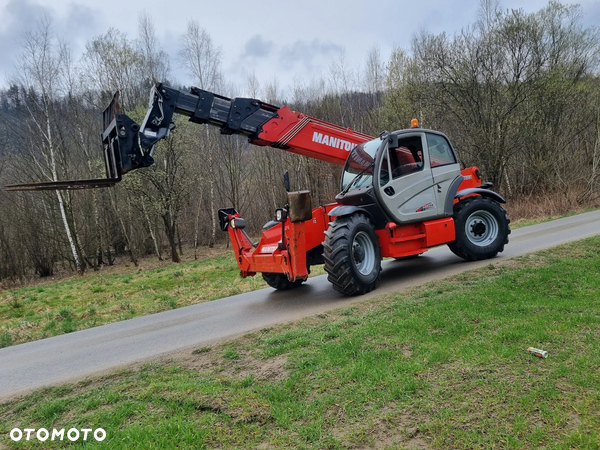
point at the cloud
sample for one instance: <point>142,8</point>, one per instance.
<point>308,54</point>
<point>257,47</point>
<point>17,17</point>
<point>79,21</point>
<point>75,25</point>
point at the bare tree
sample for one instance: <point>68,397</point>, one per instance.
<point>374,77</point>
<point>111,63</point>
<point>203,62</point>
<point>156,65</point>
<point>252,85</point>
<point>170,179</point>
<point>272,93</point>
<point>200,57</point>
<point>41,68</point>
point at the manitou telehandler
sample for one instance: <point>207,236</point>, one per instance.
<point>401,193</point>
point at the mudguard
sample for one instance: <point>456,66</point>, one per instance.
<point>346,210</point>
<point>483,192</point>
<point>451,194</point>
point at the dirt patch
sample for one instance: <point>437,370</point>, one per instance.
<point>408,439</point>
<point>266,446</point>
<point>244,365</point>
<point>573,422</point>
<point>99,381</point>
<point>390,429</point>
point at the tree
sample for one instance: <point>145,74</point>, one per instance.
<point>155,62</point>
<point>41,69</point>
<point>200,57</point>
<point>168,182</point>
<point>111,63</point>
<point>490,82</point>
<point>203,62</point>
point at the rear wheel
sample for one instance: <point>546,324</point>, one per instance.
<point>481,229</point>
<point>352,255</point>
<point>280,281</point>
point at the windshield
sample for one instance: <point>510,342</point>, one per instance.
<point>360,158</point>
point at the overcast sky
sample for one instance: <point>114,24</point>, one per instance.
<point>283,39</point>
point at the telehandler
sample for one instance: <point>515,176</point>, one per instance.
<point>400,194</point>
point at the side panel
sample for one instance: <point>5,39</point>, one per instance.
<point>402,240</point>
<point>471,178</point>
<point>415,238</point>
<point>418,200</point>
<point>315,228</point>
<point>439,232</point>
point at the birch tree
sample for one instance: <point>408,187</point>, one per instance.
<point>40,71</point>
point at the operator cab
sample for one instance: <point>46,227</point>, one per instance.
<point>405,176</point>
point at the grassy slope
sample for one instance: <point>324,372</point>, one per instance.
<point>76,303</point>
<point>48,309</point>
<point>441,366</point>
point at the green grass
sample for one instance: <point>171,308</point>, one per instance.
<point>31,313</point>
<point>442,366</point>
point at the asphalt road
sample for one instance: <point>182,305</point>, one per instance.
<point>76,355</point>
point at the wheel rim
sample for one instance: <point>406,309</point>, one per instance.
<point>481,228</point>
<point>363,253</point>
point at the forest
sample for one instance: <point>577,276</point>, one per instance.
<point>517,93</point>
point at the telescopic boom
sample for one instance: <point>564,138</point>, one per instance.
<point>129,146</point>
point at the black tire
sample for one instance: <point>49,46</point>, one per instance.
<point>352,255</point>
<point>280,281</point>
<point>482,229</point>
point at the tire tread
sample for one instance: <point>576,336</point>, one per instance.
<point>280,282</point>
<point>338,264</point>
<point>460,245</point>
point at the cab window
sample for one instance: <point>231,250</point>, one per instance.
<point>440,153</point>
<point>407,158</point>
<point>384,173</point>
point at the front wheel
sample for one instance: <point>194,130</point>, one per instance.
<point>352,255</point>
<point>280,281</point>
<point>482,229</point>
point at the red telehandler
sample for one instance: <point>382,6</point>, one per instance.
<point>401,193</point>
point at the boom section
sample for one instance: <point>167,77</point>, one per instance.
<point>129,146</point>
<point>262,123</point>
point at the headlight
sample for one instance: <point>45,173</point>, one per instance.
<point>281,215</point>
<point>237,222</point>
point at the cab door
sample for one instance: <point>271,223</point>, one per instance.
<point>405,185</point>
<point>444,165</point>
